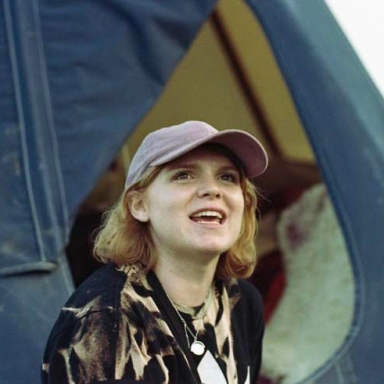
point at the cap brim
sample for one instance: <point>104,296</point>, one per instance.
<point>246,148</point>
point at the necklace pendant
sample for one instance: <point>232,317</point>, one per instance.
<point>197,348</point>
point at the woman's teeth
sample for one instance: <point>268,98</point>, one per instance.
<point>207,216</point>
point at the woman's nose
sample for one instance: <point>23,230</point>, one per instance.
<point>209,188</point>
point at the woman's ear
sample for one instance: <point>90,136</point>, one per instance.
<point>136,205</point>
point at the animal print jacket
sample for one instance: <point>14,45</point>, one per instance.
<point>119,327</point>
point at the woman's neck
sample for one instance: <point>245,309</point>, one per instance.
<point>185,283</point>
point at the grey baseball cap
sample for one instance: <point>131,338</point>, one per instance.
<point>166,144</point>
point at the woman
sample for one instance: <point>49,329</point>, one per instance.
<point>170,305</point>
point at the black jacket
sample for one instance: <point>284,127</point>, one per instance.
<point>119,327</point>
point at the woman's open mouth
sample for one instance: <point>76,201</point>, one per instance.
<point>208,217</point>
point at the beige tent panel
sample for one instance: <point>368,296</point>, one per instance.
<point>205,87</point>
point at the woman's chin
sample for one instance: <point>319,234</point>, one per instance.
<point>212,250</point>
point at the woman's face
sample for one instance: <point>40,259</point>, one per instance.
<point>195,205</point>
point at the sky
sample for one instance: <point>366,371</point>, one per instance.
<point>362,22</point>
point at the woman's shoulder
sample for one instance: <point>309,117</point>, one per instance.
<point>105,291</point>
<point>100,290</point>
<point>242,291</point>
<point>98,300</point>
<point>248,291</point>
<point>248,302</point>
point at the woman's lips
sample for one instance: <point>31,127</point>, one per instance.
<point>208,216</point>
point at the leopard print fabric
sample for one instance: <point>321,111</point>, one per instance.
<point>111,330</point>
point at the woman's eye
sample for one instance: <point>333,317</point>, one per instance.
<point>182,175</point>
<point>229,177</point>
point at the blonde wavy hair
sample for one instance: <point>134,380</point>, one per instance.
<point>124,240</point>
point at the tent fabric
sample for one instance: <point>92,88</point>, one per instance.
<point>76,78</point>
<point>343,114</point>
<point>29,304</point>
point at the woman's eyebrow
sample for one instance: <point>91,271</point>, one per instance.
<point>182,165</point>
<point>193,166</point>
<point>229,168</point>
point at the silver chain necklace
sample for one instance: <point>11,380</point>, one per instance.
<point>197,347</point>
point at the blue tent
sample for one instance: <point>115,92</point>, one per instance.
<point>77,77</point>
